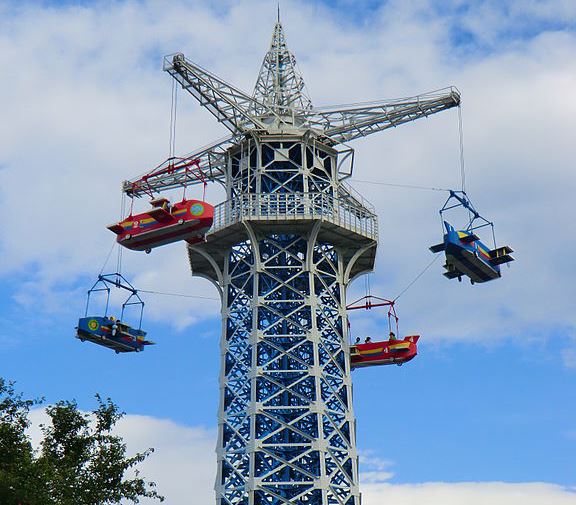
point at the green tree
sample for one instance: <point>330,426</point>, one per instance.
<point>79,462</point>
<point>16,454</point>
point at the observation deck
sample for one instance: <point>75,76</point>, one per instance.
<point>347,221</point>
<point>345,211</point>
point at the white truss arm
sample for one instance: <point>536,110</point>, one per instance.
<point>228,104</point>
<point>211,162</point>
<point>343,124</point>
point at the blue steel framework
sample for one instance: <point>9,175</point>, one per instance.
<point>286,430</point>
<point>285,244</point>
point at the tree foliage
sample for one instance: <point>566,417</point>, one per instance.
<point>79,461</point>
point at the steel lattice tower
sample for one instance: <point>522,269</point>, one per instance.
<point>284,246</point>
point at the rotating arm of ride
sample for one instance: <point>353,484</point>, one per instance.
<point>343,124</point>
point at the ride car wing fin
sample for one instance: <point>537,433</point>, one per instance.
<point>116,228</point>
<point>437,248</point>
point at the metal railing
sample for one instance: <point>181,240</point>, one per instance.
<point>344,211</point>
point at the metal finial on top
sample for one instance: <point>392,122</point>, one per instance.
<point>280,85</point>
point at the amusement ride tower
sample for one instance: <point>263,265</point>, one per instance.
<point>284,246</point>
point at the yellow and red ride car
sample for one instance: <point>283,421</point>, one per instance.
<point>187,220</point>
<point>388,352</point>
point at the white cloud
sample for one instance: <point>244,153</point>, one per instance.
<point>86,106</point>
<point>470,493</point>
<point>374,468</point>
<point>184,465</point>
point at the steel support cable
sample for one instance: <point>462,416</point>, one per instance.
<point>461,149</point>
<point>181,295</point>
<point>406,186</point>
<point>173,106</point>
<point>108,257</point>
<point>417,277</point>
<point>432,188</point>
<point>367,287</point>
<point>120,249</point>
<point>461,146</point>
<point>119,261</point>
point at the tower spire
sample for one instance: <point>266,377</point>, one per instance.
<point>280,85</point>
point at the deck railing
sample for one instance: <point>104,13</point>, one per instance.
<point>345,211</point>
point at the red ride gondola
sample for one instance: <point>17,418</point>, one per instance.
<point>384,352</point>
<point>187,220</point>
<point>388,352</point>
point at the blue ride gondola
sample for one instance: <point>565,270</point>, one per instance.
<point>109,331</point>
<point>466,255</point>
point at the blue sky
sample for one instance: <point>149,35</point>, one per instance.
<point>491,397</point>
<point>458,412</point>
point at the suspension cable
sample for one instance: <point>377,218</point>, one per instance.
<point>461,146</point>
<point>406,186</point>
<point>122,211</point>
<point>173,108</point>
<point>417,277</point>
<point>176,294</point>
<point>367,287</point>
<point>108,257</point>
